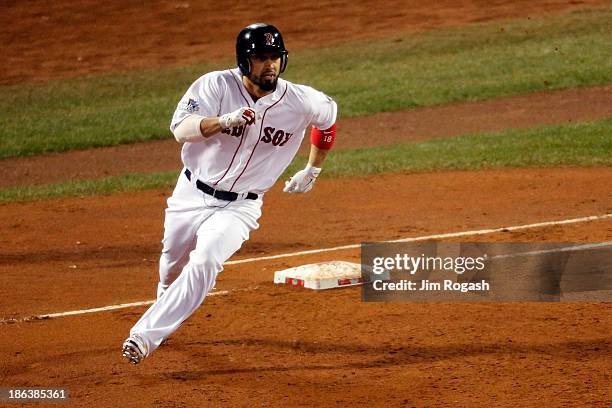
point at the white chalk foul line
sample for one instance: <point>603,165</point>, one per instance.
<point>428,237</point>
<point>94,310</point>
<point>318,251</point>
<point>555,250</point>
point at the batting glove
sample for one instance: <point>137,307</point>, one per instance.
<point>237,118</point>
<point>303,180</point>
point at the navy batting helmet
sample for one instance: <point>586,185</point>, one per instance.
<point>259,38</point>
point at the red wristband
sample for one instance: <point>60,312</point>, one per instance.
<point>323,139</point>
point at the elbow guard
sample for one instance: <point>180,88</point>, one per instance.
<point>323,139</point>
<point>189,129</point>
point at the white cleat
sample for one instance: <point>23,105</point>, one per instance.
<point>134,349</point>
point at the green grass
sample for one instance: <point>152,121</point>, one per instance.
<point>412,70</point>
<point>584,144</point>
<point>106,185</point>
<point>464,64</point>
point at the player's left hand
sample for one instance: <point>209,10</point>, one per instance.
<point>303,180</point>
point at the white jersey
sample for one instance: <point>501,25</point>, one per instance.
<point>249,158</point>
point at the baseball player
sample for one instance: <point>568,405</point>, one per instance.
<point>240,129</point>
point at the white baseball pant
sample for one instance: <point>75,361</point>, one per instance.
<point>200,234</point>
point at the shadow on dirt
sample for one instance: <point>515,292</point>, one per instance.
<point>366,356</point>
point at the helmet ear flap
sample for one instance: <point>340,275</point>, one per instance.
<point>244,64</point>
<point>284,58</point>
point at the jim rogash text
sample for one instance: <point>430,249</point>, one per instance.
<point>427,286</point>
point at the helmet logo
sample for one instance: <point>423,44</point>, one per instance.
<point>269,39</point>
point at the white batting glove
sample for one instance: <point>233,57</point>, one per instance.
<point>237,118</point>
<point>303,180</point>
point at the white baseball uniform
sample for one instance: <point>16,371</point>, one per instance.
<point>200,231</point>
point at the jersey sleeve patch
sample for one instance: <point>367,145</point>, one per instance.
<point>190,105</point>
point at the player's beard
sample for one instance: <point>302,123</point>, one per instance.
<point>264,85</point>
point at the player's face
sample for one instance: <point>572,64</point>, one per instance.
<point>265,69</point>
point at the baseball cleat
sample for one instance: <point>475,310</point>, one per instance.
<point>134,349</point>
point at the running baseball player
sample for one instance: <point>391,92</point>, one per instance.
<point>240,129</point>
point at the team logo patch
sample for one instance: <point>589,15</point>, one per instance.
<point>269,39</point>
<point>191,106</point>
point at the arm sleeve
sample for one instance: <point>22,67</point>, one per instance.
<point>189,129</point>
<point>203,98</point>
<point>323,109</point>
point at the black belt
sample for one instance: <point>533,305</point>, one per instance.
<point>221,195</point>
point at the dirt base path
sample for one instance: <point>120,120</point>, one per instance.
<point>265,345</point>
<point>542,108</point>
<point>106,248</point>
<point>50,39</point>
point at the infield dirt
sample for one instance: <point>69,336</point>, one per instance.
<point>266,345</point>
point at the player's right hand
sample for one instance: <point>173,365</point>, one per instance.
<point>238,117</point>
